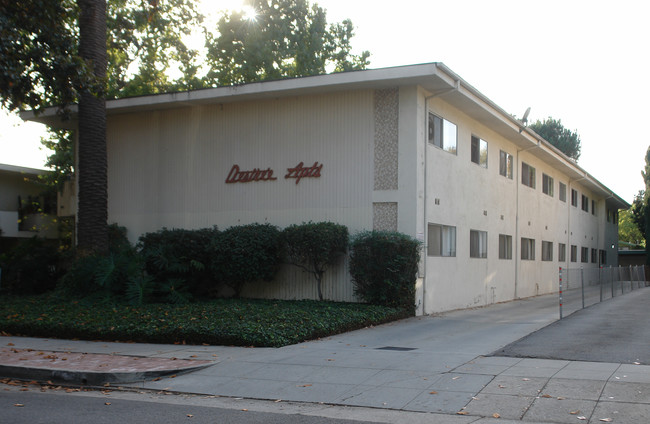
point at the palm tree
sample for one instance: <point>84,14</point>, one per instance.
<point>92,228</point>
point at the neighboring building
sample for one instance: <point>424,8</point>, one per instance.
<point>414,149</point>
<point>24,212</point>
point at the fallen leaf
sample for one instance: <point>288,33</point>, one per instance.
<point>172,376</point>
<point>24,389</point>
<point>495,415</point>
<point>547,396</point>
<point>19,404</point>
<point>304,385</point>
<point>107,403</point>
<point>156,379</point>
<point>462,413</point>
<point>606,420</point>
<point>433,393</point>
<point>525,379</point>
<point>582,418</point>
<point>244,410</point>
<point>501,386</point>
<point>107,385</point>
<point>189,415</point>
<point>10,344</point>
<point>455,378</point>
<point>560,398</point>
<point>193,356</point>
<point>574,412</point>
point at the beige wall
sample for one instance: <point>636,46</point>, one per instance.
<point>471,197</point>
<point>168,169</point>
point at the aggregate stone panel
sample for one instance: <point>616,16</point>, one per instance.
<point>574,389</point>
<point>616,391</point>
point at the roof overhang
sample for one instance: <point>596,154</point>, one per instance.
<point>436,78</point>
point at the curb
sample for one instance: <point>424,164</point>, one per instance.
<point>89,378</point>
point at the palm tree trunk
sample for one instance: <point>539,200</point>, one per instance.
<point>92,212</point>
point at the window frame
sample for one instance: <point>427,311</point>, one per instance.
<point>562,191</point>
<point>527,249</point>
<point>547,185</point>
<point>561,252</point>
<point>437,133</point>
<point>478,244</point>
<point>584,255</point>
<point>547,251</point>
<point>585,203</point>
<point>528,175</point>
<point>506,164</point>
<point>478,147</point>
<point>574,197</point>
<point>446,245</point>
<point>505,246</point>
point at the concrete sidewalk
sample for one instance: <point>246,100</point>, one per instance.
<point>435,364</point>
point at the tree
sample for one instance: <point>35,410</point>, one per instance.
<point>641,206</point>
<point>628,230</point>
<point>42,65</point>
<point>554,132</point>
<point>285,38</point>
<point>314,247</point>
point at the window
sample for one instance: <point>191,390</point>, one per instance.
<point>561,252</point>
<point>479,151</point>
<point>547,185</point>
<point>442,133</point>
<point>574,253</point>
<point>477,244</point>
<point>585,203</point>
<point>505,164</point>
<point>442,240</point>
<point>563,192</point>
<point>505,246</point>
<point>527,175</point>
<point>594,256</point>
<point>527,249</point>
<point>603,257</point>
<point>547,251</point>
<point>593,207</point>
<point>574,198</point>
<point>609,215</point>
<point>584,254</point>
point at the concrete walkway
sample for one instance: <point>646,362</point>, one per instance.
<point>437,365</point>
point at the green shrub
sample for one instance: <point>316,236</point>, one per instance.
<point>246,253</point>
<point>384,266</point>
<point>314,247</point>
<point>105,277</point>
<point>32,266</point>
<point>180,257</point>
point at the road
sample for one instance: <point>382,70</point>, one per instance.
<point>617,330</point>
<point>58,406</point>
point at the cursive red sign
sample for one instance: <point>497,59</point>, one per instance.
<point>256,174</point>
<point>300,171</point>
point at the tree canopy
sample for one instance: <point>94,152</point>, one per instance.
<point>279,39</point>
<point>641,207</point>
<point>564,139</point>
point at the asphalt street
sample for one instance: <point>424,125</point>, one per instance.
<point>617,330</point>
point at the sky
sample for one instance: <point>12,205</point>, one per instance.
<point>584,62</point>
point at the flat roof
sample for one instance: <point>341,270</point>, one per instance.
<point>21,170</point>
<point>434,77</point>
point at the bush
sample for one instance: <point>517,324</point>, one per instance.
<point>180,257</point>
<point>314,247</point>
<point>246,253</point>
<point>384,266</point>
<point>109,277</point>
<point>32,266</point>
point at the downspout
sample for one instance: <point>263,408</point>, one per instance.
<point>425,229</point>
<point>517,184</point>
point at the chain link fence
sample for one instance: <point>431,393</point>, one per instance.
<point>582,287</point>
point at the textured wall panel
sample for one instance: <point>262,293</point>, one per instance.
<point>384,216</point>
<point>386,138</point>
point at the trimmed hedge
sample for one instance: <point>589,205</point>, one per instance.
<point>384,266</point>
<point>245,254</point>
<point>179,256</point>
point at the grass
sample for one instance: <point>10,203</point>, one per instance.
<point>239,322</point>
